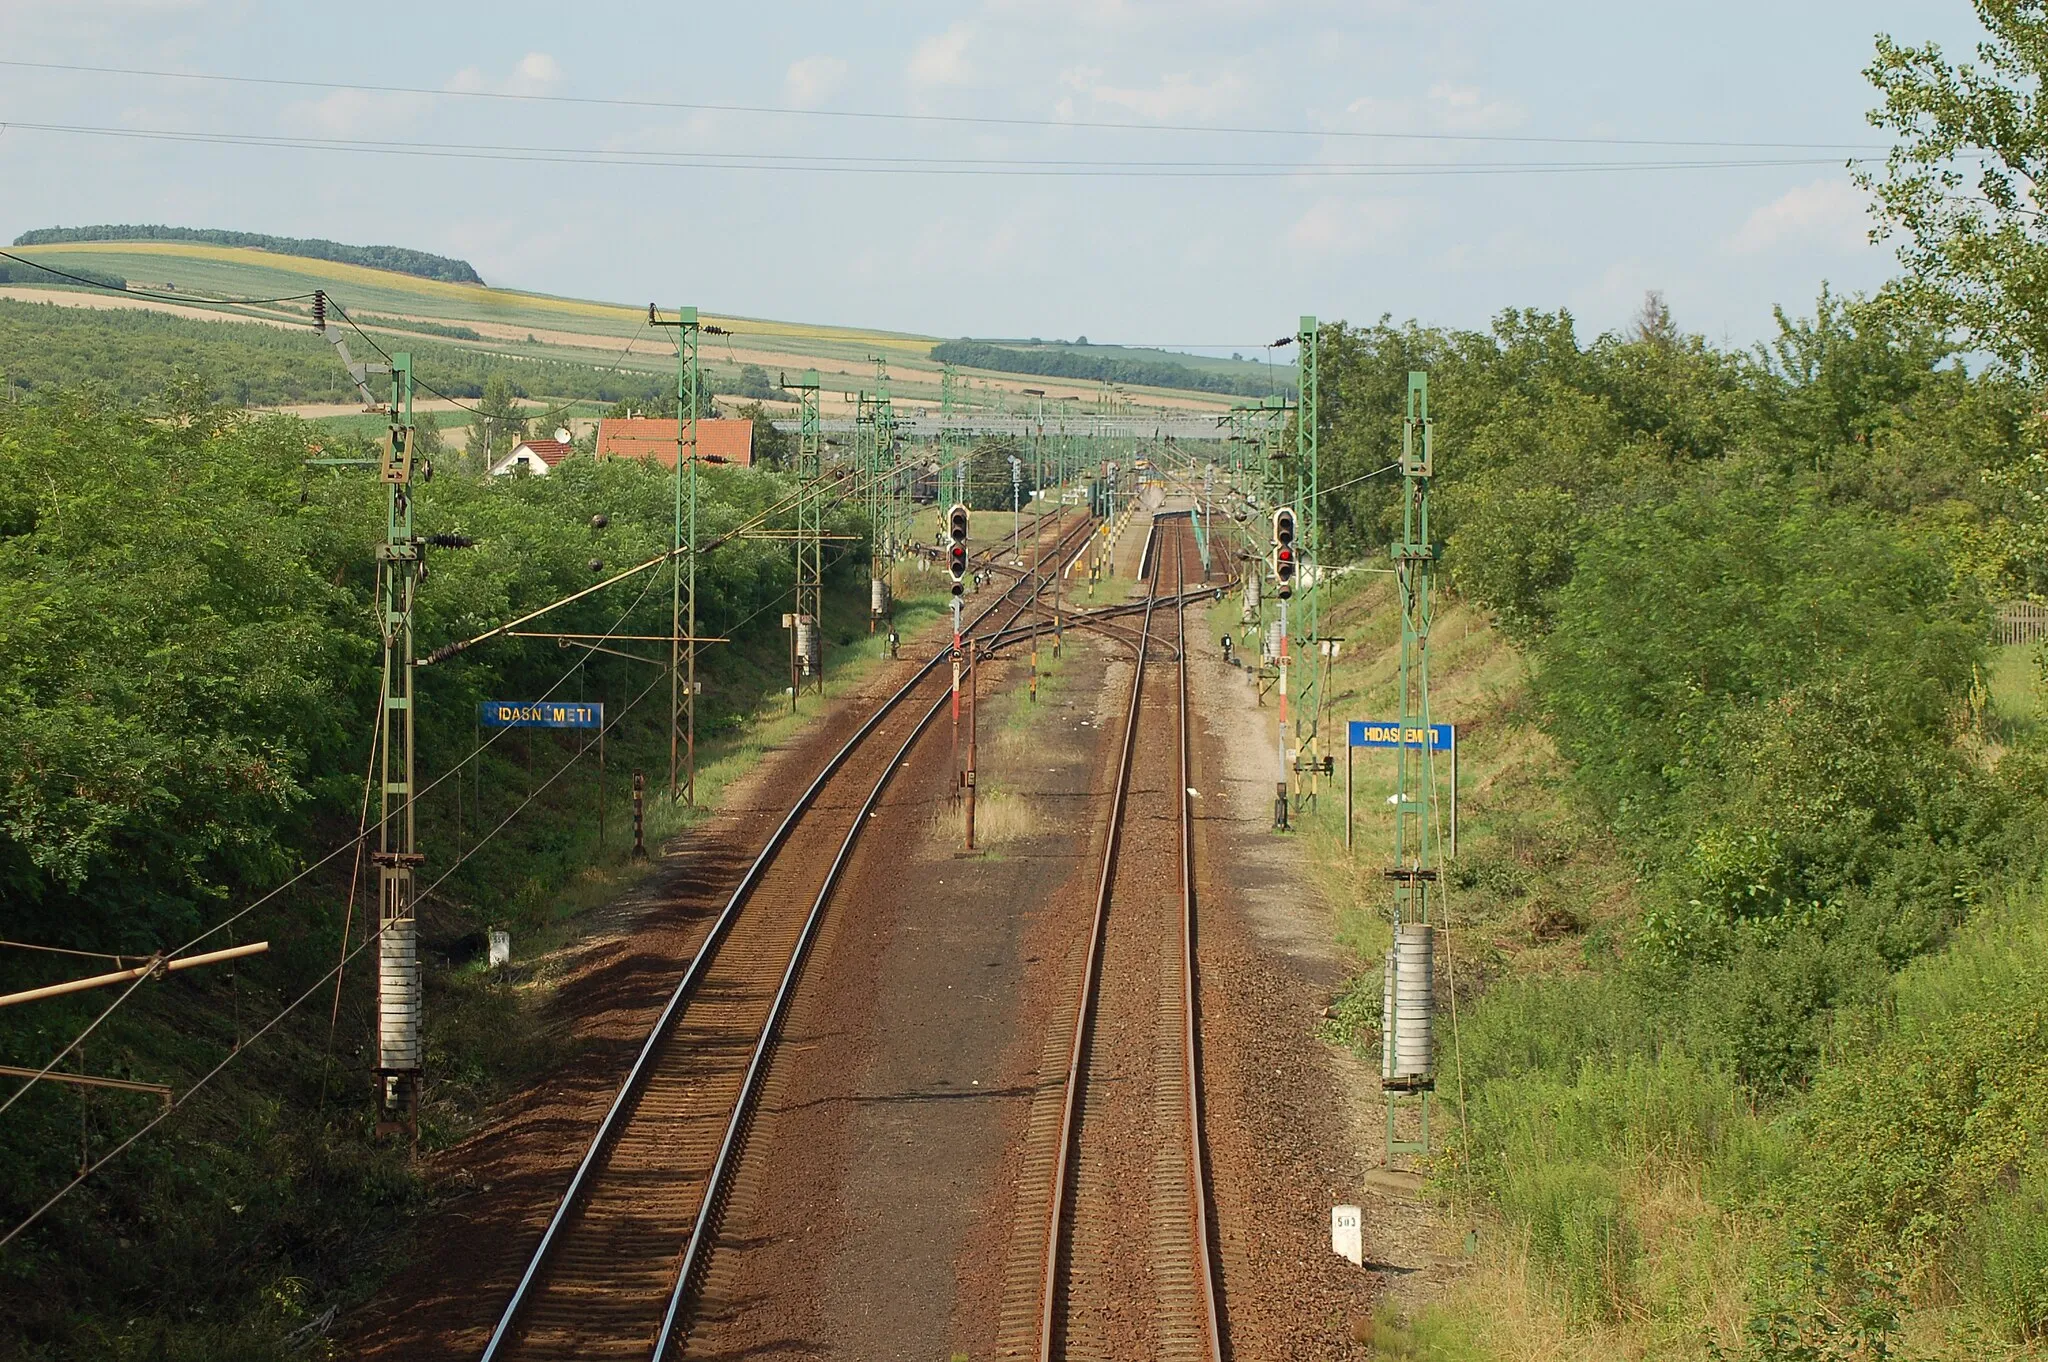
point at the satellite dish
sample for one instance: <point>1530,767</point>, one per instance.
<point>561,434</point>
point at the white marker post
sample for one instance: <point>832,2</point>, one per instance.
<point>1347,1234</point>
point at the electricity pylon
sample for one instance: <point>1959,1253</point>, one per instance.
<point>810,548</point>
<point>400,989</point>
<point>682,655</point>
<point>1417,859</point>
<point>1308,511</point>
<point>952,486</point>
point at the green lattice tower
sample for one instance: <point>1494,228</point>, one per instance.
<point>1308,518</point>
<point>892,479</point>
<point>1417,859</point>
<point>810,522</point>
<point>400,986</point>
<point>682,656</point>
<point>951,481</point>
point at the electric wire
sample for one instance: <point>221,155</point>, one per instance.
<point>246,1045</point>
<point>100,284</point>
<point>927,118</point>
<point>820,164</point>
<point>63,950</point>
<point>354,843</point>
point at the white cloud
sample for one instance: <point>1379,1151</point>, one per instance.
<point>1827,213</point>
<point>535,73</point>
<point>1446,109</point>
<point>942,58</point>
<point>1176,97</point>
<point>811,81</point>
<point>1460,108</point>
<point>1349,226</point>
<point>354,113</point>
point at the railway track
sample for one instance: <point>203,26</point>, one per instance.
<point>616,1269</point>
<point>1116,1168</point>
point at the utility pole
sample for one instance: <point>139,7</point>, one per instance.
<point>810,547</point>
<point>400,990</point>
<point>1407,1055</point>
<point>953,487</point>
<point>1307,507</point>
<point>682,654</point>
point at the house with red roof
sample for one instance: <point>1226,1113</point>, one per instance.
<point>648,437</point>
<point>535,457</point>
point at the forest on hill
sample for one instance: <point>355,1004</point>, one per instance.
<point>1058,362</point>
<point>398,259</point>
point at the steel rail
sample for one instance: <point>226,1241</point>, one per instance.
<point>692,975</point>
<point>696,1250</point>
<point>708,1216</point>
<point>1198,1173</point>
<point>1070,1106</point>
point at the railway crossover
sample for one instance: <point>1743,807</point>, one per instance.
<point>615,1272</point>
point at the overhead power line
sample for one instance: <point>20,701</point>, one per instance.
<point>102,284</point>
<point>931,119</point>
<point>990,167</point>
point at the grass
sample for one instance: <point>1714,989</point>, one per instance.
<point>1633,1201</point>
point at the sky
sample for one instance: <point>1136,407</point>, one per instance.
<point>1347,158</point>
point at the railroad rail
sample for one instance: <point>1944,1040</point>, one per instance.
<point>616,1268</point>
<point>1127,1265</point>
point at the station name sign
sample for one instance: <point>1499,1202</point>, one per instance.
<point>1374,733</point>
<point>540,714</point>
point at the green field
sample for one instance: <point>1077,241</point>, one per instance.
<point>613,335</point>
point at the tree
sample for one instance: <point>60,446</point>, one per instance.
<point>1959,186</point>
<point>771,446</point>
<point>1653,324</point>
<point>500,424</point>
<point>755,383</point>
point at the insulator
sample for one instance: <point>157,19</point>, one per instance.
<point>596,566</point>
<point>319,309</point>
<point>599,521</point>
<point>451,541</point>
<point>1407,1049</point>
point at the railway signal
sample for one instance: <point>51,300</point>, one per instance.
<point>1283,551</point>
<point>956,553</point>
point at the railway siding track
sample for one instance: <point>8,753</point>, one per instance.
<point>614,1269</point>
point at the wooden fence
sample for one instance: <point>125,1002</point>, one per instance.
<point>2022,622</point>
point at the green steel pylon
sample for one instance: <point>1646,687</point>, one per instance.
<point>682,655</point>
<point>808,626</point>
<point>1308,516</point>
<point>1417,855</point>
<point>400,986</point>
<point>951,479</point>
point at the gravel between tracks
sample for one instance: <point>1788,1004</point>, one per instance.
<point>493,1192</point>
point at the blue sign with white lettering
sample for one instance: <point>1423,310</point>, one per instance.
<point>1377,733</point>
<point>540,714</point>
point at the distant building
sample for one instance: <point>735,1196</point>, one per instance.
<point>647,437</point>
<point>532,456</point>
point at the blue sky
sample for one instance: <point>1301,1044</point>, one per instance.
<point>1212,260</point>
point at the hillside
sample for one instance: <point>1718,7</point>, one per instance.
<point>398,259</point>
<point>184,276</point>
<point>1118,364</point>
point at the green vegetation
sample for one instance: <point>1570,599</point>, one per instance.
<point>1755,1058</point>
<point>1101,364</point>
<point>398,259</point>
<point>19,272</point>
<point>135,355</point>
<point>188,682</point>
